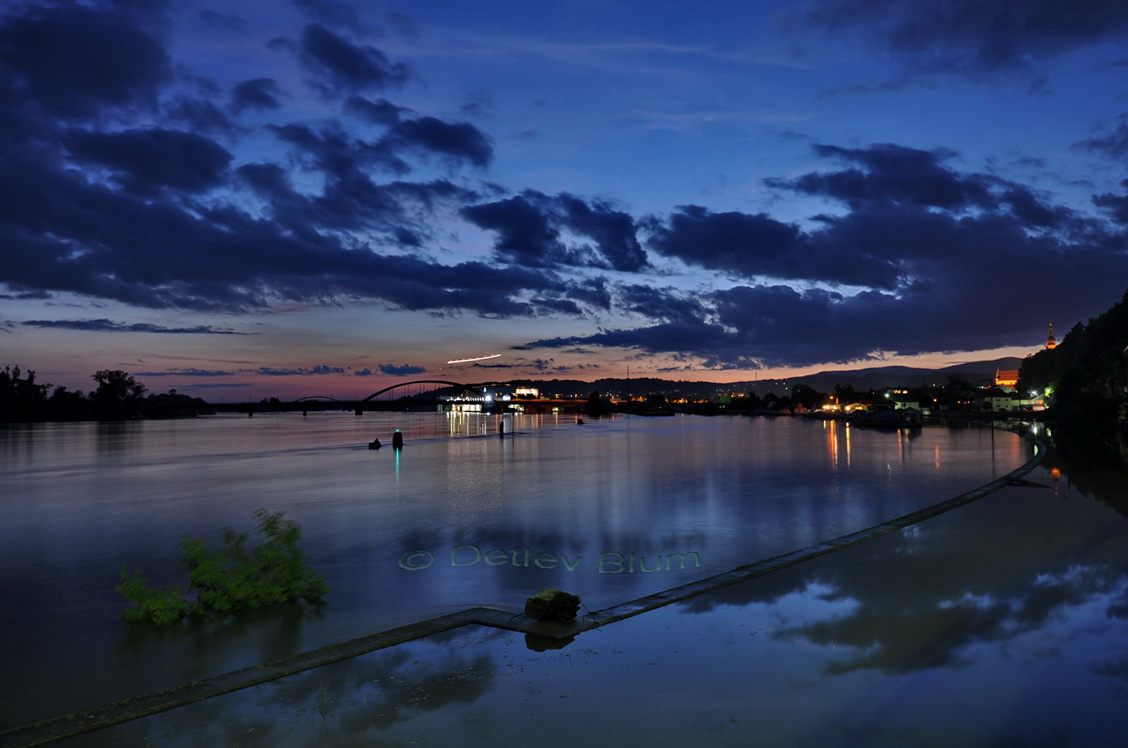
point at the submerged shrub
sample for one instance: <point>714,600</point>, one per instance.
<point>230,578</point>
<point>149,604</point>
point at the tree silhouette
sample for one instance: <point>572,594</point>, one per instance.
<point>1085,377</point>
<point>118,396</point>
<point>21,398</point>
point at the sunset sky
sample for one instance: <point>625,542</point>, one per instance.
<point>245,199</point>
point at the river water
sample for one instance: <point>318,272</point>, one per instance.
<point>610,510</point>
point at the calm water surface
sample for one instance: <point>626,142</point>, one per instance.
<point>1003,623</point>
<point>610,510</point>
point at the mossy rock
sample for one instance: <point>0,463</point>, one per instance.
<point>552,605</point>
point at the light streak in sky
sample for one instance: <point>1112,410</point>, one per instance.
<point>476,358</point>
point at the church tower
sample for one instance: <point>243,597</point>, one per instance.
<point>1051,341</point>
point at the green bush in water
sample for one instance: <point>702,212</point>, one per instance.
<point>230,578</point>
<point>149,604</point>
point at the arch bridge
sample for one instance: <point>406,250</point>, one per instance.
<point>444,382</point>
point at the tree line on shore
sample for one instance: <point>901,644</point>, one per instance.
<point>1087,377</point>
<point>117,396</point>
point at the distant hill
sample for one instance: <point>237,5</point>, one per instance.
<point>975,372</point>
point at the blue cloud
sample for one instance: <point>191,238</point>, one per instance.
<point>401,371</point>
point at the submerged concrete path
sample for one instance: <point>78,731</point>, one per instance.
<point>546,634</point>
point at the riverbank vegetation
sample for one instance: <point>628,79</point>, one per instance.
<point>230,578</point>
<point>117,396</point>
<point>1086,378</point>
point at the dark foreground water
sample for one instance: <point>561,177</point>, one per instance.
<point>610,510</point>
<point>1002,623</point>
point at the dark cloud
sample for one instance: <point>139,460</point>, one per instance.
<point>28,296</point>
<point>972,36</point>
<point>1114,145</point>
<point>76,61</point>
<point>105,325</point>
<point>717,347</point>
<point>937,261</point>
<point>342,67</point>
<point>662,304</point>
<point>759,246</point>
<point>380,112</point>
<point>893,174</point>
<point>144,161</point>
<point>953,293</point>
<point>459,140</point>
<point>529,230</point>
<point>573,297</point>
<point>162,255</point>
<point>1115,205</point>
<point>200,115</point>
<point>525,235</point>
<point>118,182</point>
<point>262,94</point>
<point>592,292</point>
<point>430,194</point>
<point>350,198</point>
<point>110,211</point>
<point>270,371</point>
<point>613,232</point>
<point>402,370</point>
<point>320,369</point>
<point>479,104</point>
<point>732,242</point>
<point>778,324</point>
<point>191,372</point>
<point>900,176</point>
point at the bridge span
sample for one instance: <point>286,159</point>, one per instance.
<point>444,382</point>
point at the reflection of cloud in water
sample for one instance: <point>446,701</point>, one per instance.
<point>348,703</point>
<point>1005,620</point>
<point>1010,565</point>
<point>894,634</point>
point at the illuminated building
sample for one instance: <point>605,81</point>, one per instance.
<point>1006,377</point>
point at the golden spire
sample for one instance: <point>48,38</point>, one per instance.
<point>1051,341</point>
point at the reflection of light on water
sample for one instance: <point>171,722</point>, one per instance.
<point>733,490</point>
<point>832,443</point>
<point>903,445</point>
<point>835,449</point>
<point>465,423</point>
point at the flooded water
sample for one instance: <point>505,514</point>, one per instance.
<point>1002,623</point>
<point>610,510</point>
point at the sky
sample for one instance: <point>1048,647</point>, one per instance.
<point>240,199</point>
